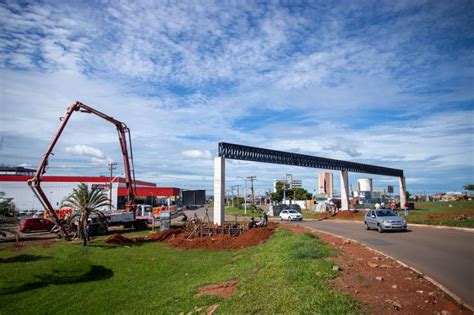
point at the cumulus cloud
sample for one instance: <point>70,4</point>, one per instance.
<point>101,161</point>
<point>349,150</point>
<point>337,81</point>
<point>197,154</point>
<point>97,157</point>
<point>85,150</point>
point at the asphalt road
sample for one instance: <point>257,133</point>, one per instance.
<point>445,255</point>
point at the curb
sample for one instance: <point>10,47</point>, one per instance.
<point>434,282</point>
<point>442,227</point>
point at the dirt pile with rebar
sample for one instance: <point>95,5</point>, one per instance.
<point>180,238</point>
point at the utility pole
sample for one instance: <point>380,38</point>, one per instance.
<point>251,179</point>
<point>112,166</point>
<point>233,195</point>
<point>245,193</point>
<point>238,190</point>
<point>245,196</point>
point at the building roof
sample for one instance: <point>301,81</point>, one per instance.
<point>152,191</point>
<point>69,179</point>
<point>17,169</point>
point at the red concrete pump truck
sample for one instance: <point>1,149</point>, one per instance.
<point>127,155</point>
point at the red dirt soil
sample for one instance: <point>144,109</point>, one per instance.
<point>178,237</point>
<point>223,289</point>
<point>401,290</point>
<point>342,215</point>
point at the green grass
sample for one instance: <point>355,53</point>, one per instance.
<point>308,214</point>
<point>276,277</point>
<point>431,213</point>
<point>442,213</point>
<point>241,212</point>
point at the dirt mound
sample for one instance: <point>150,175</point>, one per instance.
<point>349,214</point>
<point>178,237</point>
<point>164,235</point>
<point>297,229</point>
<point>224,289</point>
<point>119,239</point>
<point>220,241</point>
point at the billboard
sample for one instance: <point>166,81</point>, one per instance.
<point>390,189</point>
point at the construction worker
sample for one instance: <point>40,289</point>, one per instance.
<point>265,218</point>
<point>393,206</point>
<point>251,223</point>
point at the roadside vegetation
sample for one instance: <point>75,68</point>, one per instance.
<point>287,274</point>
<point>449,213</point>
<point>252,211</point>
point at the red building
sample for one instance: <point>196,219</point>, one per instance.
<point>58,187</point>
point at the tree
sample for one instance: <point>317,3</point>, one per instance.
<point>86,202</point>
<point>276,197</point>
<point>301,194</point>
<point>7,208</point>
<point>292,194</point>
<point>469,187</point>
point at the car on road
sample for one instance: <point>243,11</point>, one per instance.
<point>384,220</point>
<point>36,224</point>
<point>291,215</point>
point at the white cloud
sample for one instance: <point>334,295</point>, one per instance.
<point>197,154</point>
<point>101,161</point>
<point>85,150</point>
<point>313,81</point>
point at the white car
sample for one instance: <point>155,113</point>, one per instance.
<point>291,215</point>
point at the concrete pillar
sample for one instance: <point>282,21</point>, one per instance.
<point>344,190</point>
<point>219,190</point>
<point>403,192</point>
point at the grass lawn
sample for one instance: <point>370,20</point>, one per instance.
<point>241,212</point>
<point>432,213</point>
<point>442,213</point>
<point>308,214</point>
<point>276,277</point>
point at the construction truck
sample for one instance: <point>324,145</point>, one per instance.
<point>128,217</point>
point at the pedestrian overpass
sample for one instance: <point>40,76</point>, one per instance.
<point>247,153</point>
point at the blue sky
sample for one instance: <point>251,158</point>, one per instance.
<point>380,82</point>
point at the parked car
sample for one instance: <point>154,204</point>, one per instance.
<point>383,220</point>
<point>291,215</point>
<point>36,224</point>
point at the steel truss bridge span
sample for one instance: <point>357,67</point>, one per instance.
<point>246,153</point>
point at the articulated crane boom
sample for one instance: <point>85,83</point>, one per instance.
<point>127,155</point>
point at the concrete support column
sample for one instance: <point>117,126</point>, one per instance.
<point>344,190</point>
<point>403,192</point>
<point>219,190</point>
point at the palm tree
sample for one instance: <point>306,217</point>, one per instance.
<point>86,202</point>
